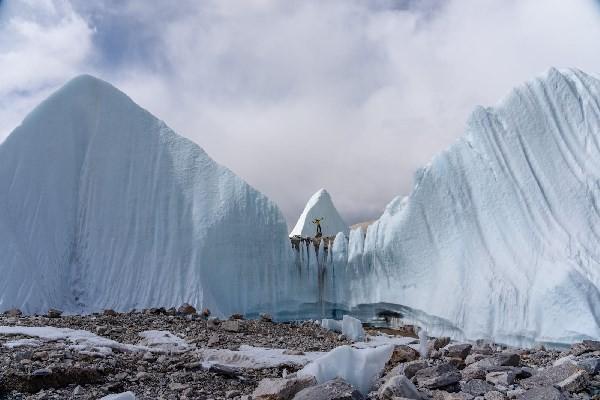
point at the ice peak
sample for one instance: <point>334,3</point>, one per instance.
<point>319,211</point>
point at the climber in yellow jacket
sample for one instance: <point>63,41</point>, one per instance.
<point>317,221</point>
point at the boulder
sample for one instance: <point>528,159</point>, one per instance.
<point>402,354</point>
<point>205,312</point>
<point>54,313</point>
<point>500,378</point>
<point>13,312</point>
<point>574,383</point>
<point>590,365</point>
<point>281,388</point>
<point>336,389</point>
<point>110,312</point>
<point>438,377</point>
<point>398,386</point>
<point>585,347</point>
<point>458,350</point>
<point>438,343</point>
<point>266,317</point>
<point>550,376</point>
<point>410,369</point>
<point>186,309</point>
<point>473,358</point>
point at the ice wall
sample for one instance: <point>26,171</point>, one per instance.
<point>104,206</point>
<point>500,235</point>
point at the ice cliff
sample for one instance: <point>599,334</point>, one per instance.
<point>500,235</point>
<point>102,205</point>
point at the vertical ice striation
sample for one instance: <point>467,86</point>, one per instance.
<point>501,233</point>
<point>104,206</point>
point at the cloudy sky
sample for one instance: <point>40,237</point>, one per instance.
<point>291,95</point>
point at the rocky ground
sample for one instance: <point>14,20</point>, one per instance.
<point>57,368</point>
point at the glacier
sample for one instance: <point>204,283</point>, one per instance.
<point>104,206</point>
<point>499,237</point>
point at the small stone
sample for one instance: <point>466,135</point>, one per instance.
<point>212,323</point>
<point>500,378</point>
<point>78,391</point>
<point>171,311</point>
<point>266,317</point>
<point>230,394</point>
<point>186,309</point>
<point>225,370</point>
<point>54,313</point>
<point>148,356</point>
<point>42,372</point>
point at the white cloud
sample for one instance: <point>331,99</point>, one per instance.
<point>293,96</point>
<point>42,43</point>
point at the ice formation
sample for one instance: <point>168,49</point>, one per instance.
<point>499,237</point>
<point>500,234</point>
<point>104,206</point>
<point>358,367</point>
<point>352,328</point>
<point>320,205</point>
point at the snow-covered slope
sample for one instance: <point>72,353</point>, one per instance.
<point>102,205</point>
<point>319,206</point>
<point>501,234</point>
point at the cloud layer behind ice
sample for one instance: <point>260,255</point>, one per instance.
<point>293,96</point>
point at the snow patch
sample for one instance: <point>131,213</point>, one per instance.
<point>255,357</point>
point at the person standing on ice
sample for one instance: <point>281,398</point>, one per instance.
<point>317,221</point>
